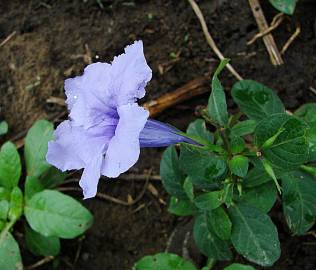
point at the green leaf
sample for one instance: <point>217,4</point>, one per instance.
<point>35,148</point>
<point>10,166</point>
<point>228,194</point>
<point>238,266</point>
<point>254,235</point>
<point>207,241</point>
<point>181,207</point>
<point>4,209</point>
<point>217,107</point>
<point>268,168</point>
<point>4,194</point>
<point>244,128</point>
<point>52,213</point>
<point>219,223</point>
<point>311,138</point>
<point>239,165</point>
<point>32,186</point>
<point>290,148</point>
<point>163,261</point>
<point>307,112</point>
<point>171,175</point>
<point>198,130</point>
<point>42,245</point>
<point>285,6</point>
<point>262,197</point>
<point>204,168</point>
<point>188,188</point>
<point>299,200</point>
<point>256,100</point>
<point>237,144</point>
<point>3,128</point>
<point>52,177</point>
<point>10,254</point>
<point>256,176</point>
<point>209,201</point>
<point>16,204</point>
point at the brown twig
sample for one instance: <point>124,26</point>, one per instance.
<point>312,89</point>
<point>209,38</point>
<point>7,38</point>
<point>291,39</point>
<point>274,24</point>
<point>268,39</point>
<point>40,263</point>
<point>110,198</point>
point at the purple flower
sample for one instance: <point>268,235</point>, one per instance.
<point>107,127</point>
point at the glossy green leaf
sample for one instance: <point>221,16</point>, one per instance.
<point>256,176</point>
<point>204,168</point>
<point>16,204</point>
<point>35,148</point>
<point>4,194</point>
<point>4,209</point>
<point>3,128</point>
<point>285,6</point>
<point>244,128</point>
<point>219,223</point>
<point>254,235</point>
<point>181,207</point>
<point>198,130</point>
<point>42,245</point>
<point>307,112</point>
<point>290,148</point>
<point>256,100</point>
<point>238,266</point>
<point>52,213</point>
<point>208,242</point>
<point>237,144</point>
<point>209,200</point>
<point>10,257</point>
<point>188,188</point>
<point>299,200</point>
<point>217,107</point>
<point>171,175</point>
<point>262,197</point>
<point>32,186</point>
<point>228,193</point>
<point>10,166</point>
<point>239,165</point>
<point>163,261</point>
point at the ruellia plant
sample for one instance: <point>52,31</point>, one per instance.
<point>31,204</point>
<point>284,6</point>
<point>245,164</point>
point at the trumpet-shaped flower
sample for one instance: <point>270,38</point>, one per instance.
<point>106,127</point>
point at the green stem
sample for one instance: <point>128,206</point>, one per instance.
<point>224,137</point>
<point>5,230</point>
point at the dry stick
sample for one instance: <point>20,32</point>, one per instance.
<point>291,39</point>
<point>209,38</point>
<point>110,198</point>
<point>7,38</point>
<point>268,39</point>
<point>274,24</point>
<point>40,263</point>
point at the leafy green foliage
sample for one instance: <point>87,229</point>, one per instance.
<point>287,150</point>
<point>35,149</point>
<point>163,261</point>
<point>254,235</point>
<point>244,128</point>
<point>219,222</point>
<point>10,166</point>
<point>4,127</point>
<point>239,165</point>
<point>10,253</point>
<point>209,200</point>
<point>39,244</point>
<point>299,200</point>
<point>52,213</point>
<point>198,131</point>
<point>217,107</point>
<point>285,6</point>
<point>238,266</point>
<point>208,242</point>
<point>181,207</point>
<point>256,100</point>
<point>49,213</point>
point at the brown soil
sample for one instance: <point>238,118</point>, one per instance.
<point>48,47</point>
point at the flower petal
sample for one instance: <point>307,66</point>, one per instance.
<point>74,147</point>
<point>90,177</point>
<point>130,74</point>
<point>123,150</point>
<point>158,134</point>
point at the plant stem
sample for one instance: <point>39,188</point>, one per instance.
<point>5,230</point>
